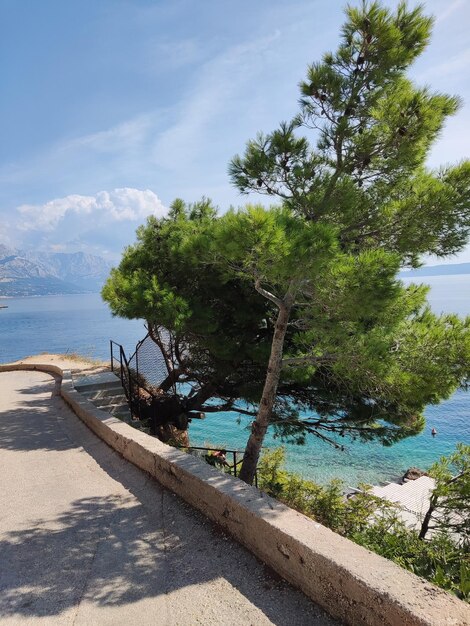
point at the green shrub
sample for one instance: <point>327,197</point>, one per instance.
<point>371,522</point>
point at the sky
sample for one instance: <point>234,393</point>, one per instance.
<point>110,109</point>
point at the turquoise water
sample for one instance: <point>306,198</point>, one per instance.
<point>82,323</point>
<point>369,462</point>
<point>360,462</point>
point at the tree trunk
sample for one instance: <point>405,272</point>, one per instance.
<point>434,504</point>
<point>261,423</point>
<point>427,518</point>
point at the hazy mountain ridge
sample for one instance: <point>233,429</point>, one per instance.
<point>25,273</point>
<point>438,270</point>
<point>35,273</point>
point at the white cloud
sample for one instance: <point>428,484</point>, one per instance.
<point>232,86</point>
<point>129,133</point>
<point>170,55</point>
<point>119,205</point>
<point>102,224</point>
<point>112,157</point>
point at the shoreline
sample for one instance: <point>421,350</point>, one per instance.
<point>84,325</point>
<point>48,295</point>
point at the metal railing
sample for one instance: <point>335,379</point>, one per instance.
<point>219,460</point>
<point>128,379</point>
<point>132,382</point>
<point>116,347</point>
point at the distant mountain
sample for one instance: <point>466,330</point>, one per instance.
<point>84,270</point>
<point>47,286</point>
<point>33,273</point>
<point>438,270</point>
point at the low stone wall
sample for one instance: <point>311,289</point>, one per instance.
<point>39,367</point>
<point>350,582</point>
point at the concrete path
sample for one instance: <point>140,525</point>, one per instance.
<point>86,538</point>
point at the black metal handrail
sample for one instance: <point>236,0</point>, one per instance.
<point>131,384</point>
<point>234,453</point>
<point>123,364</point>
<point>129,381</point>
<point>113,357</point>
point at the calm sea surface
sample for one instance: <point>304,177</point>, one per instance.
<point>82,323</point>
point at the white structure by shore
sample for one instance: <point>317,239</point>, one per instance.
<point>411,497</point>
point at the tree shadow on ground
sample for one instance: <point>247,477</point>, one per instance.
<point>31,424</point>
<point>132,544</point>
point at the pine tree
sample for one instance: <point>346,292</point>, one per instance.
<point>361,173</point>
<point>297,309</point>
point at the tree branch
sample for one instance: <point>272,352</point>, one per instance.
<point>308,360</point>
<point>268,295</point>
<point>229,408</point>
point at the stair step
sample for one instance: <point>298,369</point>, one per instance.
<point>109,408</point>
<point>97,386</point>
<point>106,394</point>
<point>106,380</point>
<point>119,410</point>
<point>104,398</point>
<point>102,403</point>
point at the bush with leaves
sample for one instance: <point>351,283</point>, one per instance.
<point>371,522</point>
<point>449,507</point>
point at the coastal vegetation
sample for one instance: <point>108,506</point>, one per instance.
<point>358,174</point>
<point>449,506</point>
<point>294,314</point>
<point>443,557</point>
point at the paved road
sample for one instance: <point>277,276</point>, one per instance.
<point>86,538</point>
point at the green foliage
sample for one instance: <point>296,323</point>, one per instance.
<point>326,504</point>
<point>439,559</point>
<point>357,354</point>
<point>368,352</point>
<point>191,307</point>
<point>361,164</point>
<point>450,501</point>
<point>372,523</point>
<point>271,245</point>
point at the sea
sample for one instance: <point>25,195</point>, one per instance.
<point>83,324</point>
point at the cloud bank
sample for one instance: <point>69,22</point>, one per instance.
<point>102,223</point>
<point>117,205</point>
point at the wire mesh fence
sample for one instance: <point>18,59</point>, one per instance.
<point>141,376</point>
<point>148,364</point>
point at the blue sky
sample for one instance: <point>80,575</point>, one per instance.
<point>110,108</point>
